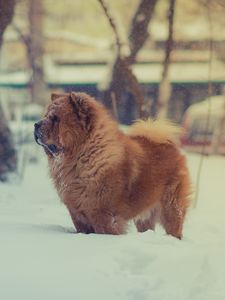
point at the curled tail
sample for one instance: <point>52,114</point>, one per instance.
<point>158,131</point>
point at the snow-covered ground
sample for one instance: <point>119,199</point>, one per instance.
<point>41,257</point>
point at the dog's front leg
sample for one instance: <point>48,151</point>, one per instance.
<point>80,221</point>
<point>105,222</point>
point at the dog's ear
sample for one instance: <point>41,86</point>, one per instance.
<point>55,96</point>
<point>81,109</point>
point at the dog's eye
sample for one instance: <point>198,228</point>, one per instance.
<point>55,119</point>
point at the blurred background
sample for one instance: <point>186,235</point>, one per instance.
<point>141,58</point>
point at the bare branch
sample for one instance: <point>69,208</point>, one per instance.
<point>24,38</point>
<point>134,88</point>
<point>138,33</point>
<point>165,86</point>
<point>122,68</point>
<point>119,37</point>
<point>169,42</point>
<point>114,106</point>
<point>6,15</point>
<point>208,117</point>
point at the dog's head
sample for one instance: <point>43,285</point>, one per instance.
<point>68,121</point>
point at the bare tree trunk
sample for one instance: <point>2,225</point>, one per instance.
<point>217,136</point>
<point>122,81</point>
<point>35,51</point>
<point>138,31</point>
<point>8,159</point>
<point>165,86</point>
<point>6,14</point>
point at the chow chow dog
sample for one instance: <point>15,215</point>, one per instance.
<point>106,177</point>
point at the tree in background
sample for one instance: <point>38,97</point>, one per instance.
<point>37,84</point>
<point>164,93</point>
<point>34,47</point>
<point>122,83</point>
<point>7,151</point>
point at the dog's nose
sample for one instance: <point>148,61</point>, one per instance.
<point>37,125</point>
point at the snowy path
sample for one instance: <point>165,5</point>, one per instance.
<point>42,258</point>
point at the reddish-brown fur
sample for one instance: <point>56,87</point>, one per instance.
<point>106,177</point>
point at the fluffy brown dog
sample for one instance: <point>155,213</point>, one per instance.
<point>105,177</point>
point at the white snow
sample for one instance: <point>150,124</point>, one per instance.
<point>200,109</point>
<point>41,257</point>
